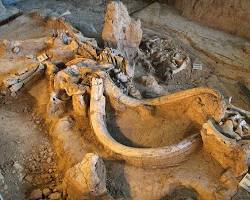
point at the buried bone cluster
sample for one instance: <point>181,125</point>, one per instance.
<point>160,54</point>
<point>79,75</point>
<point>235,123</point>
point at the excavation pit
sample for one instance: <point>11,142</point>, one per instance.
<point>118,130</point>
<point>153,127</point>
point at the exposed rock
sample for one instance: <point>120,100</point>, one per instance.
<point>86,179</point>
<point>1,178</point>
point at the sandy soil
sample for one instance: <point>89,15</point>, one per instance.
<point>157,128</point>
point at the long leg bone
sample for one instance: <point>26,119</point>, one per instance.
<point>16,82</point>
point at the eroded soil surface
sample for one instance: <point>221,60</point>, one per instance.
<point>27,159</point>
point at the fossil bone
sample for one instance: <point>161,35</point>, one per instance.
<point>16,82</point>
<point>228,129</point>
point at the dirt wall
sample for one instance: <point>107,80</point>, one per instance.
<point>232,16</point>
